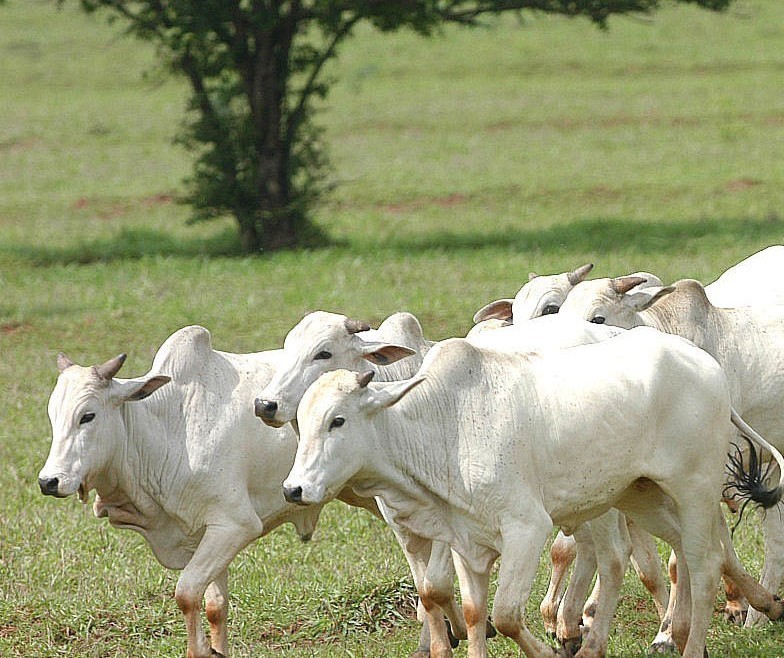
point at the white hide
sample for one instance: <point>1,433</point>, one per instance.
<point>189,467</point>
<point>321,342</point>
<point>748,342</point>
<point>542,295</point>
<point>756,280</point>
<point>489,449</point>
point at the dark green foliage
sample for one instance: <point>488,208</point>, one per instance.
<point>255,69</point>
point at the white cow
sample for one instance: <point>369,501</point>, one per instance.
<point>542,295</point>
<point>322,342</point>
<point>178,456</point>
<point>748,342</point>
<point>486,450</point>
<point>752,282</point>
<point>564,613</point>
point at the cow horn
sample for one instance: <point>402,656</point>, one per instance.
<point>111,367</point>
<point>624,284</point>
<point>576,276</point>
<point>63,362</point>
<point>364,379</point>
<point>355,326</point>
<point>532,276</point>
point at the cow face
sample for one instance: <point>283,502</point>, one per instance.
<point>544,295</point>
<point>320,343</point>
<point>337,433</point>
<point>84,410</point>
<point>613,301</point>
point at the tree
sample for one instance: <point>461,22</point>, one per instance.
<point>255,68</point>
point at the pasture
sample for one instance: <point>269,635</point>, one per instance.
<point>461,162</point>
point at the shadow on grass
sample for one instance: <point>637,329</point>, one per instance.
<point>600,235</point>
<point>129,244</point>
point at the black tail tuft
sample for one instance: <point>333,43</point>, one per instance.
<point>748,484</point>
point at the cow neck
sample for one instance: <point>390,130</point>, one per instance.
<point>687,313</point>
<point>142,459</point>
<point>414,466</point>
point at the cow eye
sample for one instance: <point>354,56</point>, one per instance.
<point>86,418</point>
<point>550,309</point>
<point>337,421</point>
<point>323,355</point>
<point>598,319</point>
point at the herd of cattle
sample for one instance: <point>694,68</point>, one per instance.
<point>613,409</point>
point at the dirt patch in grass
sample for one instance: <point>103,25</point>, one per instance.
<point>11,328</point>
<point>105,210</point>
<point>448,201</point>
<point>741,184</point>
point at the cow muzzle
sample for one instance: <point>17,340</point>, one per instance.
<point>50,487</point>
<point>266,410</point>
<point>293,495</point>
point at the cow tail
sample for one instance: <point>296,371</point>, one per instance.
<point>747,477</point>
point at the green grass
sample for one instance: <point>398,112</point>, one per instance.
<point>462,163</point>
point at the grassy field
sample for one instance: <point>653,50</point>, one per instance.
<point>462,163</point>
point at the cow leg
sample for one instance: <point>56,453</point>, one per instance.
<point>613,548</point>
<point>702,540</point>
<point>217,608</point>
<point>435,587</point>
<point>562,554</point>
<point>647,564</point>
<point>522,545</point>
<point>217,549</point>
<point>474,589</point>
<point>571,610</point>
<point>663,642</point>
<point>439,582</point>
<point>736,607</point>
<point>773,567</point>
<point>758,596</point>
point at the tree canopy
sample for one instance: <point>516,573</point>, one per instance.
<point>255,68</point>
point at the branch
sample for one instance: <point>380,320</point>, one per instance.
<point>295,117</point>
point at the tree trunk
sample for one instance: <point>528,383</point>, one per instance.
<point>249,237</point>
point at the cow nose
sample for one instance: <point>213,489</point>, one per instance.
<point>265,408</point>
<point>293,494</point>
<point>48,486</point>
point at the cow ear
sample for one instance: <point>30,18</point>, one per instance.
<point>382,354</point>
<point>500,309</point>
<point>639,301</point>
<point>389,393</point>
<point>63,362</point>
<point>137,389</point>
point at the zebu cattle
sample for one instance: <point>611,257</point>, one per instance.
<point>748,342</point>
<point>485,450</point>
<point>178,456</point>
<point>322,342</point>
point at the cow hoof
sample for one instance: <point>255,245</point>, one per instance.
<point>735,614</point>
<point>490,631</point>
<point>453,641</point>
<point>662,647</point>
<point>420,653</point>
<point>571,646</point>
<point>216,654</point>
